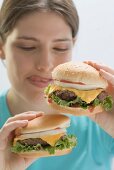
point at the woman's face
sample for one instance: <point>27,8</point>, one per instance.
<point>38,43</point>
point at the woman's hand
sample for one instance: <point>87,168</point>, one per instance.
<point>9,160</point>
<point>105,119</point>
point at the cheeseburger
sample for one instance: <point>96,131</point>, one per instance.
<point>44,136</point>
<point>78,89</point>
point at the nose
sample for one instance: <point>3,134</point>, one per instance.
<point>44,61</point>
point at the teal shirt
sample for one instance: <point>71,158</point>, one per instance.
<point>94,151</point>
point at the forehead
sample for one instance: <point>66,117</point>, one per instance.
<point>43,24</point>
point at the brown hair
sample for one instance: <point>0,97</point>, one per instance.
<point>13,10</point>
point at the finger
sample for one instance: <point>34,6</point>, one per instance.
<point>10,127</point>
<point>109,77</point>
<point>105,68</point>
<point>91,63</point>
<point>99,66</point>
<point>25,116</point>
<point>94,64</point>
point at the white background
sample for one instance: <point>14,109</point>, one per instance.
<point>96,35</point>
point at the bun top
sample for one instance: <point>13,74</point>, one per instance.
<point>79,72</point>
<point>45,123</point>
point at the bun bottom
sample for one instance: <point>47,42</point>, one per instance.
<point>39,154</point>
<point>78,111</point>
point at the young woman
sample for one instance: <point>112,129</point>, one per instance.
<point>36,36</point>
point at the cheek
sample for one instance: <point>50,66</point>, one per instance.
<point>23,63</point>
<point>18,64</point>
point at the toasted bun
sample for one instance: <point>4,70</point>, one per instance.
<point>44,123</point>
<point>36,154</point>
<point>79,72</point>
<point>78,111</point>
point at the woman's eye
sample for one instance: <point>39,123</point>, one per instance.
<point>61,49</point>
<point>27,48</point>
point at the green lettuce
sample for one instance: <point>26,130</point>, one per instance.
<point>68,141</point>
<point>61,102</point>
<point>47,89</point>
<point>96,102</point>
<point>19,147</point>
<point>107,103</point>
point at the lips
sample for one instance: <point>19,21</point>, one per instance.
<point>39,81</point>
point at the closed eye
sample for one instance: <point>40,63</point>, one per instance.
<point>61,49</point>
<point>27,48</point>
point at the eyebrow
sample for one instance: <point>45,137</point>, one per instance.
<point>27,38</point>
<point>35,39</point>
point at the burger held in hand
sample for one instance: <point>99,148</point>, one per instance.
<point>44,136</point>
<point>78,89</point>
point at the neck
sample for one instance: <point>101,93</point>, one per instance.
<point>18,105</point>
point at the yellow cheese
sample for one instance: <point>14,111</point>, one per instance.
<point>14,142</point>
<point>85,95</point>
<point>50,139</point>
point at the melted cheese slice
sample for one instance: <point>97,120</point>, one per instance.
<point>50,139</point>
<point>85,95</point>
